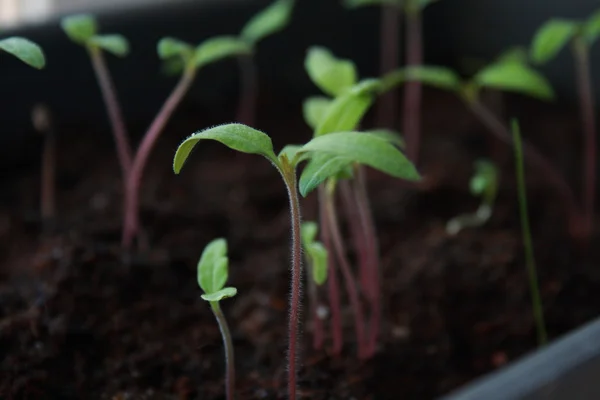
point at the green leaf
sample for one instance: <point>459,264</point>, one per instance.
<point>80,28</point>
<point>218,48</point>
<point>308,232</point>
<point>267,22</point>
<point>515,77</point>
<point>169,47</point>
<point>332,75</point>
<point>387,134</point>
<point>319,168</point>
<point>314,110</point>
<point>115,44</point>
<point>550,38</point>
<point>220,294</point>
<point>25,50</point>
<point>289,151</point>
<point>318,255</point>
<point>591,29</point>
<point>212,267</point>
<point>438,77</point>
<point>514,54</point>
<point>235,136</point>
<point>484,181</point>
<point>363,3</point>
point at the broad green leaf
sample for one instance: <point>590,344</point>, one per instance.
<point>391,136</point>
<point>267,22</point>
<point>514,54</point>
<point>220,47</point>
<point>591,29</point>
<point>308,232</point>
<point>212,267</point>
<point>169,47</point>
<point>115,44</point>
<point>363,3</point>
<point>25,50</point>
<point>550,38</point>
<point>220,294</point>
<point>332,75</point>
<point>439,77</point>
<point>80,28</point>
<point>289,151</point>
<point>515,77</point>
<point>364,149</point>
<point>314,110</point>
<point>235,136</point>
<point>318,255</point>
<point>319,168</point>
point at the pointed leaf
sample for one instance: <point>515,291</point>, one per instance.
<point>80,28</point>
<point>267,22</point>
<point>391,136</point>
<point>220,294</point>
<point>439,77</point>
<point>212,266</point>
<point>319,168</point>
<point>308,232</point>
<point>591,28</point>
<point>25,50</point>
<point>362,3</point>
<point>515,77</point>
<point>218,48</point>
<point>115,44</point>
<point>169,47</point>
<point>318,255</point>
<point>235,136</point>
<point>550,38</point>
<point>332,75</point>
<point>314,110</point>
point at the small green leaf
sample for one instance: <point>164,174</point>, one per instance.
<point>514,54</point>
<point>314,110</point>
<point>387,134</point>
<point>235,136</point>
<point>439,77</point>
<point>515,77</point>
<point>115,44</point>
<point>319,168</point>
<point>173,66</point>
<point>318,255</point>
<point>289,151</point>
<point>550,38</point>
<point>308,232</point>
<point>212,267</point>
<point>25,50</point>
<point>591,28</point>
<point>218,48</point>
<point>267,22</point>
<point>80,28</point>
<point>220,294</point>
<point>485,180</point>
<point>169,47</point>
<point>332,75</point>
<point>363,3</point>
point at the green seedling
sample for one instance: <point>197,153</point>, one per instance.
<point>212,276</point>
<point>354,147</point>
<point>483,184</point>
<point>42,122</point>
<point>581,35</point>
<point>83,30</point>
<point>536,301</point>
<point>25,50</point>
<point>193,59</point>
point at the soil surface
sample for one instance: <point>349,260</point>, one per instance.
<point>78,322</point>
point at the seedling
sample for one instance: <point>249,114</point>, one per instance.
<point>83,30</point>
<point>484,184</point>
<point>40,117</point>
<point>193,59</point>
<point>536,301</point>
<point>509,75</point>
<point>212,276</point>
<point>547,43</point>
<point>354,147</point>
<point>25,50</point>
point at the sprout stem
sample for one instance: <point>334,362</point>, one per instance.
<point>131,224</point>
<point>538,311</point>
<point>109,95</point>
<point>413,89</point>
<point>43,124</point>
<point>246,113</point>
<point>389,53</point>
<point>228,343</point>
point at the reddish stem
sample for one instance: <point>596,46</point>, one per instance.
<point>412,89</point>
<point>109,95</point>
<point>131,225</point>
<point>229,354</point>
<point>42,123</point>
<point>246,113</point>
<point>389,53</point>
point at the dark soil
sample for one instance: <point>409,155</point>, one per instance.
<point>77,322</point>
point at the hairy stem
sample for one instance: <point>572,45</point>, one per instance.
<point>582,62</point>
<point>389,53</point>
<point>113,108</point>
<point>246,113</point>
<point>228,343</point>
<point>538,311</point>
<point>412,89</point>
<point>131,224</point>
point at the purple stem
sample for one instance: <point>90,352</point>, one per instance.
<point>228,343</point>
<point>389,53</point>
<point>412,89</point>
<point>246,113</point>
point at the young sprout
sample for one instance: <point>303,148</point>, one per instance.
<point>83,30</point>
<point>354,147</point>
<point>267,22</point>
<point>484,184</point>
<point>212,276</point>
<point>547,43</point>
<point>42,123</point>
<point>536,301</point>
<point>25,50</point>
<point>193,59</point>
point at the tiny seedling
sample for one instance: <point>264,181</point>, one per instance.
<point>354,147</point>
<point>212,276</point>
<point>25,50</point>
<point>40,117</point>
<point>547,43</point>
<point>193,59</point>
<point>83,30</point>
<point>536,301</point>
<point>484,184</point>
